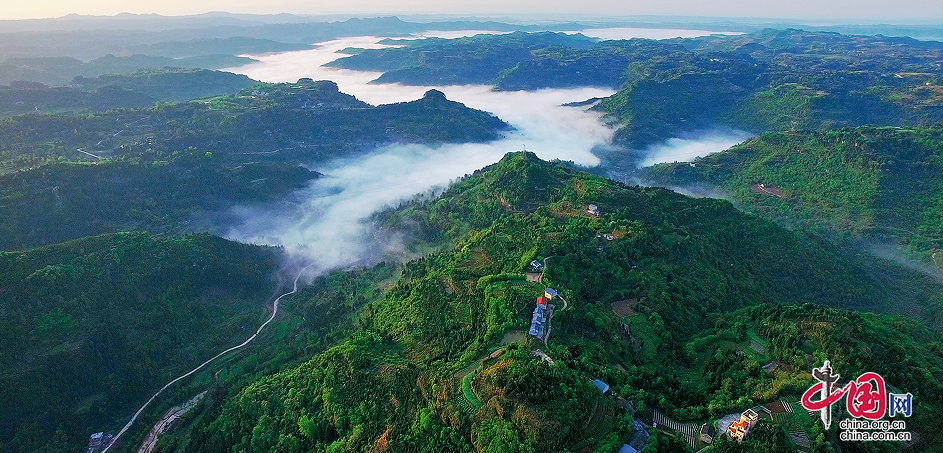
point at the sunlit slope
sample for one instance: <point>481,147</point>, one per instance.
<point>177,168</point>
<point>293,122</point>
<point>780,80</point>
<point>766,80</point>
<point>882,184</point>
<point>700,278</point>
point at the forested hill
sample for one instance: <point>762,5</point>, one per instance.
<point>287,122</point>
<point>781,80</point>
<point>514,61</point>
<point>60,71</point>
<point>157,192</point>
<point>171,84</point>
<point>873,183</point>
<point>675,302</point>
<point>137,89</point>
<point>510,61</point>
<point>92,326</point>
<point>767,80</point>
<point>174,168</point>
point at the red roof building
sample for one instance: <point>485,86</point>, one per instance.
<point>740,429</point>
<point>541,300</point>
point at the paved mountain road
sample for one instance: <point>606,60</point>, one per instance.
<point>184,376</point>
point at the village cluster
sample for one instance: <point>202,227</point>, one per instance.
<point>735,426</point>
<point>737,429</point>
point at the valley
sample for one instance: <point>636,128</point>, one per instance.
<point>358,205</point>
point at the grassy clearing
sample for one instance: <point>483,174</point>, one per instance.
<point>467,390</point>
<point>644,332</point>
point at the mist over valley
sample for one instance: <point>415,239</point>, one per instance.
<point>326,220</point>
<point>442,232</point>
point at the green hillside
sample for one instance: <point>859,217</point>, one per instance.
<point>29,98</point>
<point>60,71</point>
<point>93,326</point>
<point>171,84</point>
<point>868,183</point>
<point>766,80</point>
<point>514,61</point>
<point>177,168</point>
<point>156,192</point>
<point>97,325</point>
<point>708,283</point>
<point>780,80</point>
<point>285,122</point>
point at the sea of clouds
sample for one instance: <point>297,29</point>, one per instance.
<point>325,224</point>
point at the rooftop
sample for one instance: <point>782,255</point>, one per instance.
<point>602,386</point>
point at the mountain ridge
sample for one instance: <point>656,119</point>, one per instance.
<point>422,372</point>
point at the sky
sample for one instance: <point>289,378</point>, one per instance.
<point>870,10</point>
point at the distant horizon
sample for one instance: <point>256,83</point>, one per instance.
<point>908,12</point>
<point>562,17</point>
<point>153,22</point>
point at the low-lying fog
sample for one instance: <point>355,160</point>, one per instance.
<point>690,147</point>
<point>325,224</point>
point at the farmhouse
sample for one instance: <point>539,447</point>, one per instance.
<point>739,430</point>
<point>602,386</point>
<point>538,321</point>
<point>638,441</point>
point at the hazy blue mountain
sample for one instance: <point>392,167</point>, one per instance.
<point>61,70</point>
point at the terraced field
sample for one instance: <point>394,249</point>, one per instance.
<point>690,431</point>
<point>796,421</point>
<point>468,392</point>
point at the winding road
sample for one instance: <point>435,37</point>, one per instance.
<point>184,376</point>
<point>169,418</point>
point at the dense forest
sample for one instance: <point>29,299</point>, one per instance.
<point>515,61</point>
<point>90,325</point>
<point>138,89</point>
<point>97,324</point>
<point>715,295</point>
<point>22,97</point>
<point>161,193</point>
<point>766,80</point>
<point>171,84</point>
<point>781,80</point>
<point>878,184</point>
<point>60,71</point>
<point>174,168</point>
<point>686,309</point>
<point>288,122</point>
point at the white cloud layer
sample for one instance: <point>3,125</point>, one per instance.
<point>325,224</point>
<point>692,146</point>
